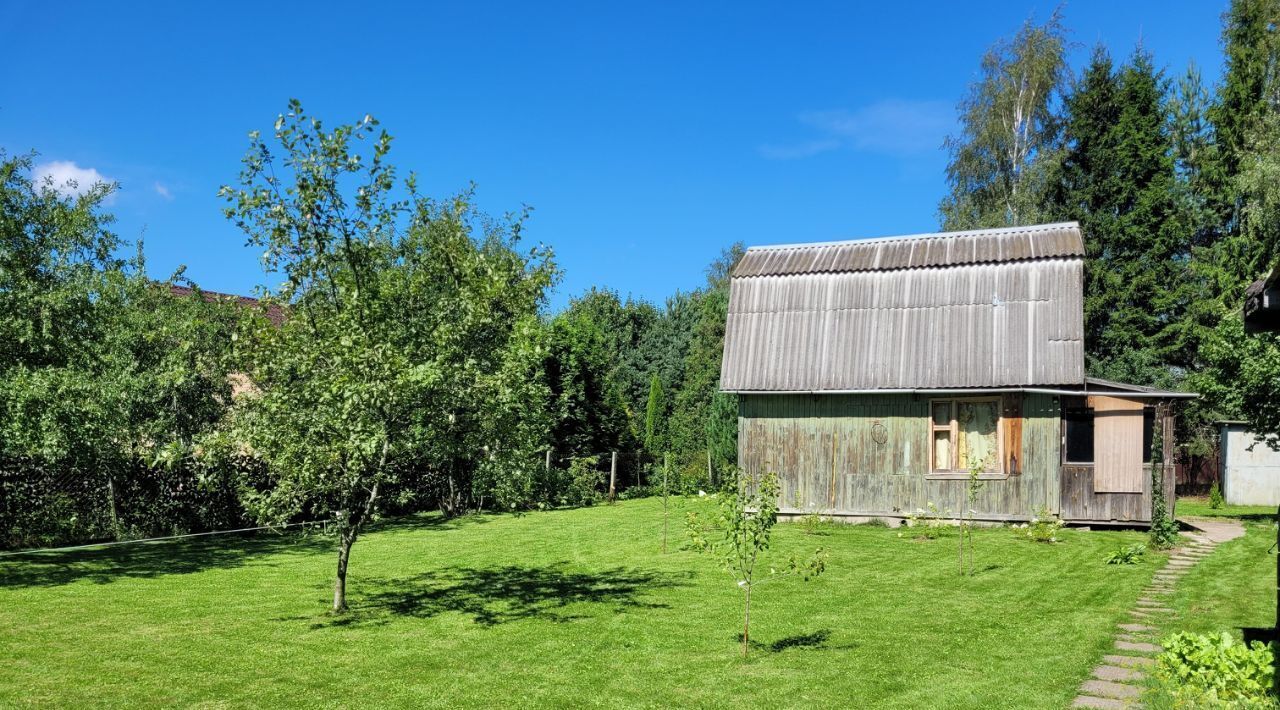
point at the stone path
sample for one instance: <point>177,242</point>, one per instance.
<point>1118,681</point>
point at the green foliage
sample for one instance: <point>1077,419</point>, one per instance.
<point>814,523</point>
<point>722,433</point>
<point>1044,527</point>
<point>1005,152</point>
<point>405,347</point>
<point>1216,500</point>
<point>1164,529</point>
<point>654,411</point>
<point>741,533</point>
<point>578,485</point>
<point>1117,179</point>
<point>928,523</point>
<point>106,382</point>
<point>1127,555</point>
<point>1215,670</point>
<point>973,486</point>
<point>693,401</point>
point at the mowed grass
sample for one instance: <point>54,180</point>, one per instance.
<point>573,607</point>
<point>1198,507</point>
<point>1234,589</point>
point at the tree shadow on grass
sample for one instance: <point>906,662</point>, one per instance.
<point>103,565</point>
<point>816,640</point>
<point>498,595</point>
<point>109,563</point>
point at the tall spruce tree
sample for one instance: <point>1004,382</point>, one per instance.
<point>1117,178</point>
<point>1231,258</point>
<point>1241,373</point>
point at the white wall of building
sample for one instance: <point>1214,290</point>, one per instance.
<point>1249,477</point>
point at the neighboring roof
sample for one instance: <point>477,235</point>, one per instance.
<point>275,313</point>
<point>979,246</point>
<point>986,308</point>
<point>1097,385</point>
<point>1262,304</point>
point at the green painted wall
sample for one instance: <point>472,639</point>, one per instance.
<point>826,450</point>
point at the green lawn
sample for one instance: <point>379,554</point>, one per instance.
<point>574,607</point>
<point>1235,588</point>
<point>1198,507</point>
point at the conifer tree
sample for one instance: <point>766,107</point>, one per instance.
<point>653,416</point>
<point>1118,179</point>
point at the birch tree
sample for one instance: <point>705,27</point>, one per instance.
<point>1002,155</point>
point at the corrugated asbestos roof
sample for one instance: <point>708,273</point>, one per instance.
<point>982,246</point>
<point>989,308</point>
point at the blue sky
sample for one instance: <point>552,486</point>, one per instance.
<point>646,136</point>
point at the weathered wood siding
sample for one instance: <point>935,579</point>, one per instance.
<point>1117,446</point>
<point>1082,502</point>
<point>869,455</point>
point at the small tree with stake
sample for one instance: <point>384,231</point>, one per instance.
<point>972,488</point>
<point>744,524</point>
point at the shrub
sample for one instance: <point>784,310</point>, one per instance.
<point>813,523</point>
<point>584,482</point>
<point>578,485</point>
<point>1129,555</point>
<point>1198,670</point>
<point>1215,496</point>
<point>639,491</point>
<point>1044,527</point>
<point>928,523</point>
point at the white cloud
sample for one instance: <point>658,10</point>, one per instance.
<point>894,127</point>
<point>163,191</point>
<point>798,150</point>
<point>67,178</point>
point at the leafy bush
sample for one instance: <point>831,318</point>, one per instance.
<point>1129,555</point>
<point>1215,497</point>
<point>584,483</point>
<point>1044,527</point>
<point>928,523</point>
<point>578,485</point>
<point>1198,670</point>
<point>814,524</point>
<point>639,491</point>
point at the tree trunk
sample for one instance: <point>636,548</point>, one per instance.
<point>746,620</point>
<point>340,584</point>
<point>666,466</point>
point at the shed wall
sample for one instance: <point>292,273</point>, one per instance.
<point>868,455</point>
<point>1248,477</point>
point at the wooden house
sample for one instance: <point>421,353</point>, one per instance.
<point>873,375</point>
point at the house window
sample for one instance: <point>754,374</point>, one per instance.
<point>1077,421</point>
<point>1077,436</point>
<point>965,432</point>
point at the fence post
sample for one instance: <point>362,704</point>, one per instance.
<point>547,465</point>
<point>613,476</point>
<point>111,499</point>
<point>711,478</point>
